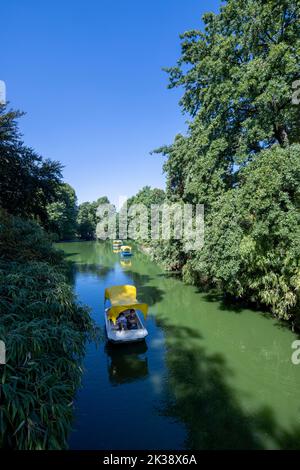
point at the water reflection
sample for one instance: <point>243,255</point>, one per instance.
<point>126,263</point>
<point>209,406</point>
<point>126,363</point>
<point>72,270</point>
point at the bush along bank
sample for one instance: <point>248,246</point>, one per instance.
<point>44,329</point>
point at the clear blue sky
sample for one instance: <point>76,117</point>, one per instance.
<point>88,74</point>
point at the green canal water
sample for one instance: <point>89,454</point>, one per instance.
<point>209,376</point>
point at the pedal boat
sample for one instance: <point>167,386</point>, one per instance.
<point>122,298</point>
<point>126,250</point>
<point>117,244</point>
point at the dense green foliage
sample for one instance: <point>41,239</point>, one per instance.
<point>87,218</point>
<point>62,214</point>
<point>44,329</point>
<point>252,240</point>
<point>148,197</point>
<point>240,157</point>
<point>68,221</point>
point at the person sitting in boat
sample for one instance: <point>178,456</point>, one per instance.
<point>132,320</point>
<point>122,321</point>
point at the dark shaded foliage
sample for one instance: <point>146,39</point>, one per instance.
<point>44,329</point>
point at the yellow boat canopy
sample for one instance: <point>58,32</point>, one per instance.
<point>123,298</point>
<point>125,248</point>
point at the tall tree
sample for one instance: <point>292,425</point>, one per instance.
<point>87,218</point>
<point>28,182</point>
<point>237,78</point>
<point>62,214</point>
<point>147,196</point>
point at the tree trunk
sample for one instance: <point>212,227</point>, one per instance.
<point>281,135</point>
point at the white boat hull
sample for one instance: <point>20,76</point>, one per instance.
<point>124,336</point>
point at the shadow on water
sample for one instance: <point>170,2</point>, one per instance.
<point>149,294</point>
<point>200,397</point>
<point>227,303</point>
<point>67,255</point>
<point>73,268</point>
<point>97,269</point>
<point>171,275</point>
<point>231,304</point>
<point>126,363</point>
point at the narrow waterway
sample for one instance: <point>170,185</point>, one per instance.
<point>209,375</point>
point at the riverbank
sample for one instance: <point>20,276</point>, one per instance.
<point>44,330</point>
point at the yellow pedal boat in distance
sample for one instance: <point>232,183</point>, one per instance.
<point>122,320</point>
<point>126,250</point>
<point>125,262</point>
